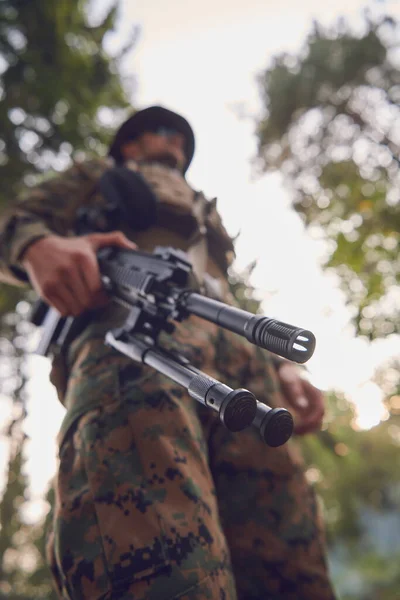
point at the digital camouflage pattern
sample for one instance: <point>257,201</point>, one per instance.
<point>51,208</point>
<point>46,209</point>
<point>155,499</point>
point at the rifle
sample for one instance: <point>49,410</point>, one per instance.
<point>155,288</point>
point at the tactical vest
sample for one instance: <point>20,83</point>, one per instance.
<point>186,219</point>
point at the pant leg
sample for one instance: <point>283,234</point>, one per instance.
<point>267,508</point>
<point>136,515</point>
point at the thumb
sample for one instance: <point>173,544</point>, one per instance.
<point>292,385</point>
<point>111,238</point>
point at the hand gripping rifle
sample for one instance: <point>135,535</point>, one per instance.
<point>154,287</point>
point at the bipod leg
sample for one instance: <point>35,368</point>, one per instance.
<point>237,409</point>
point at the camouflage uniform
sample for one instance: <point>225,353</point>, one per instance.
<point>155,499</point>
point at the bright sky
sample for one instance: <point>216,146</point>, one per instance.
<point>201,59</point>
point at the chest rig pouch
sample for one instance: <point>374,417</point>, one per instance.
<point>189,214</point>
<point>154,205</point>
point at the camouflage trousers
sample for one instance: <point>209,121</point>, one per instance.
<point>156,499</point>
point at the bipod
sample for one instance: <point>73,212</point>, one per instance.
<point>237,409</point>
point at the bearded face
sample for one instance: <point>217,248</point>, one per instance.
<point>164,148</point>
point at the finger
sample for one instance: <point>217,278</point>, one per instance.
<point>56,302</point>
<point>315,397</point>
<point>63,301</point>
<point>77,290</point>
<point>292,387</point>
<point>308,425</point>
<point>90,274</point>
<point>296,397</point>
<point>311,421</point>
<point>71,300</point>
<point>112,238</point>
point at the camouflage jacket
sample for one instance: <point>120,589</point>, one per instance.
<point>51,208</point>
<point>187,220</point>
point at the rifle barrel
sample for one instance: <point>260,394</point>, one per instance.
<point>289,341</point>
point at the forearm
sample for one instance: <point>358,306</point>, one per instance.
<point>47,209</point>
<point>16,236</point>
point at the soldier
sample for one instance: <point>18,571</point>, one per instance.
<point>155,499</point>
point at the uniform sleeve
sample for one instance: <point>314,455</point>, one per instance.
<point>46,209</point>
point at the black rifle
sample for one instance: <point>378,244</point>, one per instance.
<point>155,288</point>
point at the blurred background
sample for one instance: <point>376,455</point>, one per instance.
<point>296,111</point>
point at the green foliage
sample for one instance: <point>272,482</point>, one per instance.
<point>331,126</point>
<point>23,572</point>
<point>53,85</point>
<point>57,87</point>
<point>357,477</point>
<point>61,97</point>
<point>242,290</point>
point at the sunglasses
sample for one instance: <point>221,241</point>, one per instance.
<point>167,132</point>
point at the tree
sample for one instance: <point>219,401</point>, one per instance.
<point>357,477</point>
<point>242,290</point>
<point>331,125</point>
<point>60,97</point>
<point>60,93</point>
<point>23,572</point>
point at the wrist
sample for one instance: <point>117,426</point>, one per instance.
<point>32,247</point>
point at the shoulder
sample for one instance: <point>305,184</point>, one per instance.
<point>72,178</point>
<point>91,169</point>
